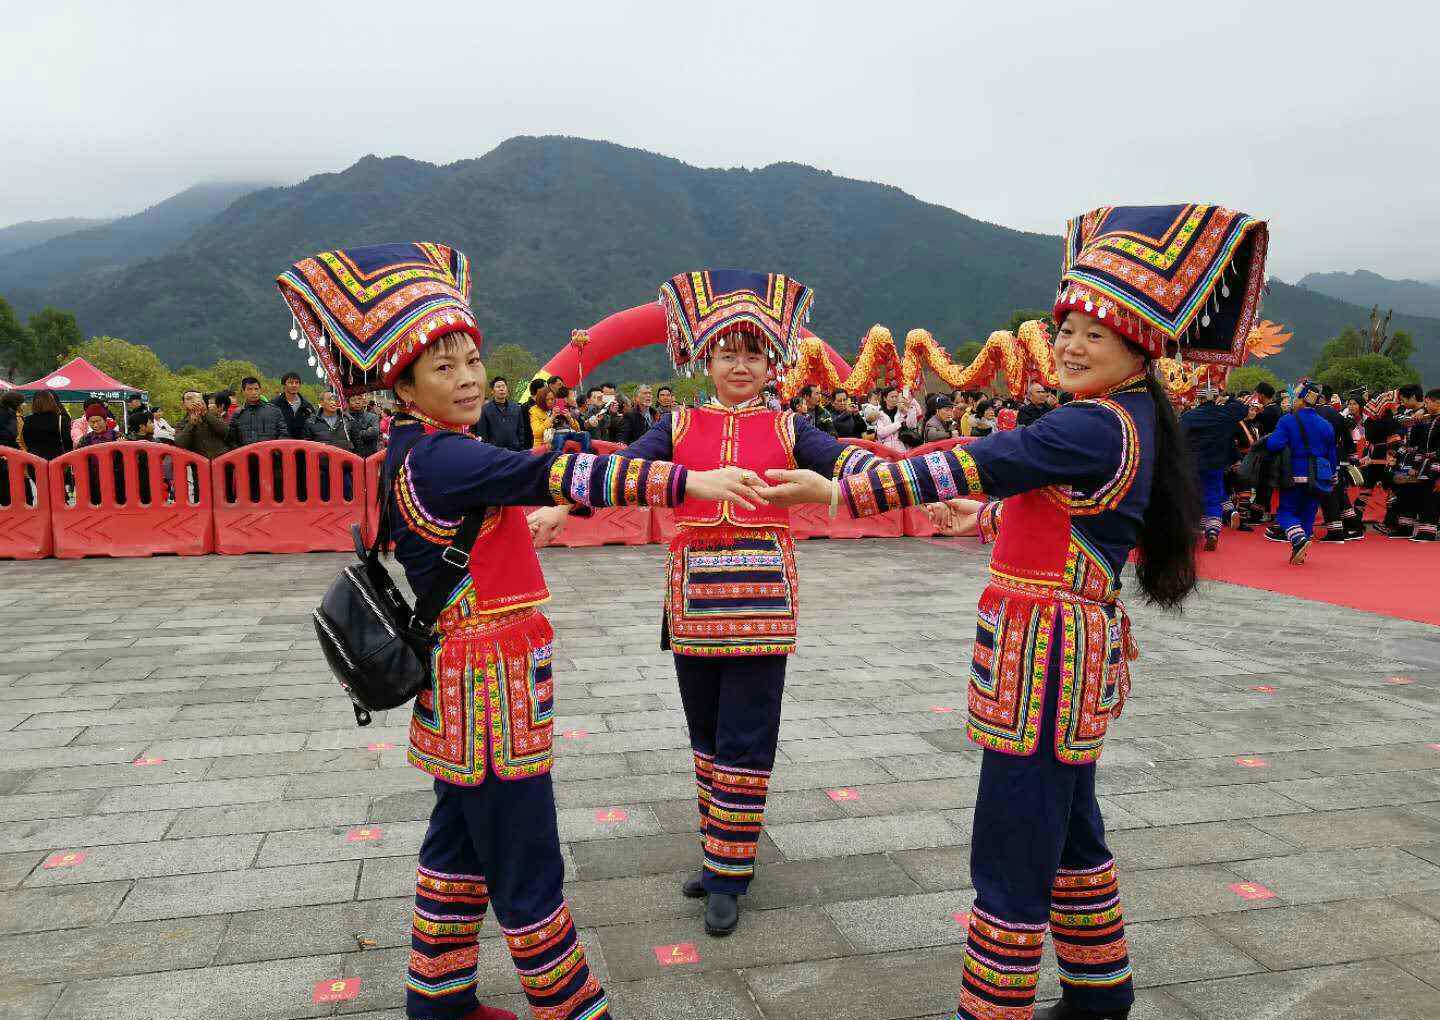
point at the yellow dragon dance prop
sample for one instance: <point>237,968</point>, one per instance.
<point>1024,356</point>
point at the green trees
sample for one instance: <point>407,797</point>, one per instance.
<point>1243,379</point>
<point>1372,358</point>
<point>515,363</point>
<point>15,344</point>
<point>54,334</point>
<point>29,350</point>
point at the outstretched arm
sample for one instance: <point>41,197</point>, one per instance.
<point>1082,444</point>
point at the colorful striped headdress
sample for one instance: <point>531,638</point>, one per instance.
<point>703,307</point>
<point>368,312</point>
<point>1168,277</point>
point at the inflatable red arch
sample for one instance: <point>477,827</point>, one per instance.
<point>625,331</point>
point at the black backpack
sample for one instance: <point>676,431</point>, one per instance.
<point>377,647</point>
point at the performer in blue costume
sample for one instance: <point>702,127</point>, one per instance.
<point>1209,429</point>
<point>398,316</point>
<point>732,587</point>
<point>1311,442</point>
<point>1069,498</point>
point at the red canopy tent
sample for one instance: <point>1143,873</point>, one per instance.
<point>78,381</point>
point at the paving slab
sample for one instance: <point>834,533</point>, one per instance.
<point>71,955</point>
<point>66,906</point>
<point>1356,991</point>
<point>798,933</point>
<point>808,840</point>
<point>275,990</point>
<point>229,891</point>
<point>144,860</point>
<point>1317,876</point>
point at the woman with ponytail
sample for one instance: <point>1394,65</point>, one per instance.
<point>1069,498</point>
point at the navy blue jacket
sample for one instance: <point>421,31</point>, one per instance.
<point>1210,433</point>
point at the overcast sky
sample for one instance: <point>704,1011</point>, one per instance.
<point>1320,116</point>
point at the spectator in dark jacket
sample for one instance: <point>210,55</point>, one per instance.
<point>293,405</point>
<point>330,425</point>
<point>1037,402</point>
<point>257,421</point>
<point>500,417</point>
<point>10,405</point>
<point>364,426</point>
<point>201,430</point>
<point>1342,522</point>
<point>641,417</point>
<point>848,424</point>
<point>47,428</point>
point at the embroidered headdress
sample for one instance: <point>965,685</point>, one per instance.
<point>368,312</point>
<point>1168,276</point>
<point>703,307</point>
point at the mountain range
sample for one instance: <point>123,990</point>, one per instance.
<point>19,236</point>
<point>563,231</point>
<point>1362,287</point>
<point>59,262</point>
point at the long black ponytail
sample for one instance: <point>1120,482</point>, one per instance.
<point>1166,562</point>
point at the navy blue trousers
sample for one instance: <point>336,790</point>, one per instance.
<point>1038,860</point>
<point>1296,514</point>
<point>495,844</point>
<point>1212,489</point>
<point>732,707</point>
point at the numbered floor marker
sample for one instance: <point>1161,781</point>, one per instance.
<point>681,952</point>
<point>335,990</point>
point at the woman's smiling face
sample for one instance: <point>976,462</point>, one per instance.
<point>1091,358</point>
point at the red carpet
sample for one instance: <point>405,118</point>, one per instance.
<point>1391,576</point>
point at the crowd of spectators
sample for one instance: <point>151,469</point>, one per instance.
<point>551,414</point>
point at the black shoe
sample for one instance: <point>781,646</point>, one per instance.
<point>1354,534</point>
<point>1298,551</point>
<point>1335,536</point>
<point>1423,536</point>
<point>722,914</point>
<point>694,886</point>
<point>1393,530</point>
<point>1243,527</point>
<point>1212,542</point>
<point>1274,534</point>
<point>1062,1010</point>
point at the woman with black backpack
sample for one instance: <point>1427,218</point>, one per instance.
<point>398,316</point>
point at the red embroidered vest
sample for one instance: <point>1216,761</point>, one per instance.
<point>755,438</point>
<point>1052,599</point>
<point>504,571</point>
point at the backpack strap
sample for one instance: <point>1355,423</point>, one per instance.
<point>454,564</point>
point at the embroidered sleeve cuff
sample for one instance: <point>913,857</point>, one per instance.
<point>929,479</point>
<point>990,521</point>
<point>584,479</point>
<point>852,461</point>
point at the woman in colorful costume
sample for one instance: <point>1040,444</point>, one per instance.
<point>1070,496</point>
<point>732,588</point>
<point>398,316</point>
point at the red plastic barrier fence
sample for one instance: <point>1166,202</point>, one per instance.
<point>810,521</point>
<point>287,496</point>
<point>25,531</point>
<point>883,452</point>
<point>917,523</point>
<point>373,463</point>
<point>616,525</point>
<point>131,499</point>
<point>940,444</point>
<point>662,525</point>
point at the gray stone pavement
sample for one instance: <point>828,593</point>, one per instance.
<point>221,880</point>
